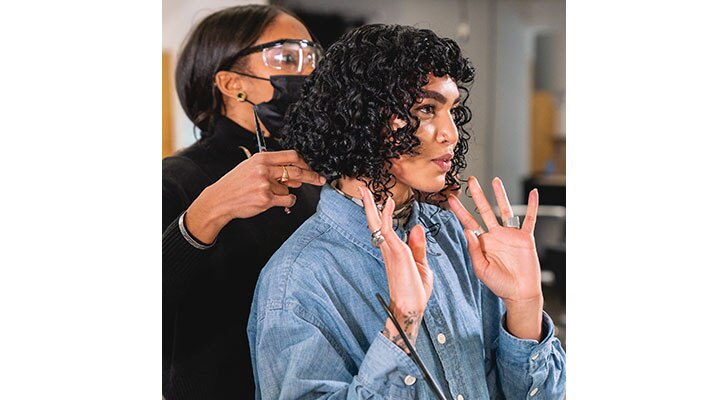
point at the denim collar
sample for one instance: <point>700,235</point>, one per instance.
<point>351,220</point>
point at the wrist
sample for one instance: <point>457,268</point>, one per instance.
<point>524,318</point>
<point>204,219</point>
<point>390,332</point>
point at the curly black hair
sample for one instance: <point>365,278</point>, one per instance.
<point>340,123</point>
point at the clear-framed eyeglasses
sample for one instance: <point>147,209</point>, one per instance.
<point>291,56</point>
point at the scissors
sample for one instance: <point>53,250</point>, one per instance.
<point>261,144</point>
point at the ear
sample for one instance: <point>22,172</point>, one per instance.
<point>229,84</point>
<point>396,123</point>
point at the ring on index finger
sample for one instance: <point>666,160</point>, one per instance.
<point>513,222</point>
<point>377,238</point>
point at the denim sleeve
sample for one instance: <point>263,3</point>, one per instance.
<point>529,369</point>
<point>295,358</point>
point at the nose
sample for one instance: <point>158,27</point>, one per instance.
<point>447,132</point>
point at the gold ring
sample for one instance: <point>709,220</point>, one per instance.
<point>284,177</point>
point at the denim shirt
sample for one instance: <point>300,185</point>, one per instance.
<point>315,323</point>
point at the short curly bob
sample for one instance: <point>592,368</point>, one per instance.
<point>340,123</point>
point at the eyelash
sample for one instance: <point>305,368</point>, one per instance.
<point>431,109</point>
<point>426,107</point>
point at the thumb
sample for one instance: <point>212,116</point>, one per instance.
<point>416,243</point>
<point>476,253</point>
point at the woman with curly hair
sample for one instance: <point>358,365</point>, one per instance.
<point>383,117</point>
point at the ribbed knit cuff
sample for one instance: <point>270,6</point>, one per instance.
<point>179,257</point>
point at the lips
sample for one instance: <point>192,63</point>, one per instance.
<point>444,162</point>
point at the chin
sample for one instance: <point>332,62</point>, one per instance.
<point>432,185</point>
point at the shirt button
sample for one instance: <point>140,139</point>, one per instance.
<point>410,380</point>
<point>460,397</point>
<point>441,338</point>
<point>534,357</point>
<point>533,392</point>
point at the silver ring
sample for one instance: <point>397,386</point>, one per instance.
<point>513,222</point>
<point>478,232</point>
<point>377,238</point>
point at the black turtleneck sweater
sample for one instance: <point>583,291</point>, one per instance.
<point>207,293</point>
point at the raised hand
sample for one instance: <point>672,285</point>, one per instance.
<point>408,275</point>
<point>505,258</point>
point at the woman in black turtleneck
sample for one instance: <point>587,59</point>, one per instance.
<point>226,207</point>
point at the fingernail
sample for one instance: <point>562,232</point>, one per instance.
<point>322,179</point>
<point>294,200</point>
<point>361,191</point>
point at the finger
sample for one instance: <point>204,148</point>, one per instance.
<point>416,243</point>
<point>463,215</point>
<point>275,172</point>
<point>284,201</point>
<point>484,209</point>
<point>293,184</point>
<point>386,228</point>
<point>477,257</point>
<point>374,219</point>
<point>529,223</point>
<point>284,157</point>
<point>279,189</point>
<point>502,198</point>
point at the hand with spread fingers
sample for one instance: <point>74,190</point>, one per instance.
<point>408,275</point>
<point>505,257</point>
<point>253,186</point>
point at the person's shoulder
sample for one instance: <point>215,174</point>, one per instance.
<point>297,265</point>
<point>186,167</point>
<point>185,160</point>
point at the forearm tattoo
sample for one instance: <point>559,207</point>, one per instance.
<point>410,326</point>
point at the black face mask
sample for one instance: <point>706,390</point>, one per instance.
<point>286,90</point>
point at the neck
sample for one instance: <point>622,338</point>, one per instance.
<point>401,193</point>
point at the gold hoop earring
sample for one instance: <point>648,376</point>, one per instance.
<point>242,96</point>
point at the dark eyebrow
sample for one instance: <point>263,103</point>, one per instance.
<point>431,94</point>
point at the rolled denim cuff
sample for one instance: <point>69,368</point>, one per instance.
<point>520,351</point>
<point>388,370</point>
<point>530,365</point>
